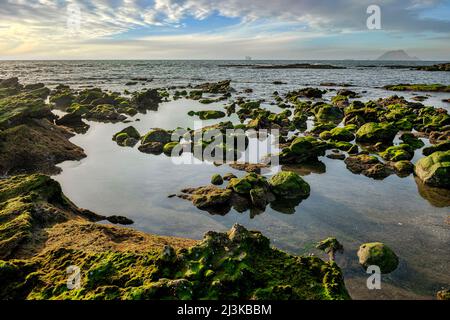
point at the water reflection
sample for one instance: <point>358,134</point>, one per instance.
<point>437,197</point>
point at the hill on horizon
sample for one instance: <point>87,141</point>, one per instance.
<point>395,55</point>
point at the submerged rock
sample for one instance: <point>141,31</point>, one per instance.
<point>302,150</point>
<point>378,254</point>
<point>209,114</point>
<point>434,170</point>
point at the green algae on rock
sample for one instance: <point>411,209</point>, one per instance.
<point>418,87</point>
<point>397,153</point>
<point>378,254</point>
<point>330,246</point>
<point>217,180</point>
<point>209,114</point>
<point>288,185</point>
<point>434,170</point>
<point>376,132</point>
<point>303,149</point>
<point>239,264</point>
<point>127,137</point>
<point>442,146</point>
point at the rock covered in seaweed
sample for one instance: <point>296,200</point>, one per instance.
<point>434,170</point>
<point>239,264</point>
<point>378,254</point>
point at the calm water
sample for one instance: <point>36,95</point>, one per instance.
<point>397,211</point>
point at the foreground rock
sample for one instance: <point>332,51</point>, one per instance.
<point>36,147</point>
<point>284,191</point>
<point>239,264</point>
<point>29,204</point>
<point>434,170</point>
<point>378,254</point>
<point>127,137</point>
<point>368,165</point>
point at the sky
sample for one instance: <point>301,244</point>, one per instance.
<point>221,29</point>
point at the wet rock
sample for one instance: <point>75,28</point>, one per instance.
<point>336,156</point>
<point>217,87</point>
<point>367,165</point>
<point>413,141</point>
<point>403,167</point>
<point>434,170</point>
<point>228,176</point>
<point>147,100</point>
<point>210,114</point>
<point>376,132</point>
<point>378,254</point>
<point>302,150</point>
<point>443,294</point>
<point>248,167</point>
<point>217,180</point>
<point>398,153</point>
<point>157,135</point>
<point>105,112</point>
<point>328,113</point>
<point>152,147</point>
<point>210,198</point>
<point>338,134</point>
<point>442,146</point>
<point>127,137</point>
<point>289,185</point>
<point>169,149</point>
<point>119,220</point>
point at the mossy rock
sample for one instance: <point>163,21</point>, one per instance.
<point>210,114</point>
<point>378,254</point>
<point>410,139</point>
<point>169,147</point>
<point>398,153</point>
<point>376,132</point>
<point>434,170</point>
<point>130,132</point>
<point>443,146</point>
<point>338,134</point>
<point>289,185</point>
<point>404,167</point>
<point>157,135</point>
<point>217,180</point>
<point>239,264</point>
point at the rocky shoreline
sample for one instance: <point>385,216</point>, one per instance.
<point>43,230</point>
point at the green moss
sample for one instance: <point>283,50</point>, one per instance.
<point>337,134</point>
<point>397,153</point>
<point>410,139</point>
<point>157,135</point>
<point>217,179</point>
<point>168,147</point>
<point>419,87</point>
<point>443,146</point>
<point>375,132</point>
<point>378,254</point>
<point>434,170</point>
<point>288,184</point>
<point>210,114</point>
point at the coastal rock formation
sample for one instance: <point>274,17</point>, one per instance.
<point>221,266</point>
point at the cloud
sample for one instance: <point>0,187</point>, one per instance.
<point>39,25</point>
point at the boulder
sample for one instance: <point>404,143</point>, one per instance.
<point>378,254</point>
<point>376,132</point>
<point>157,135</point>
<point>434,170</point>
<point>398,153</point>
<point>289,185</point>
<point>217,180</point>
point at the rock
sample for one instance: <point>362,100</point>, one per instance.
<point>443,294</point>
<point>442,146</point>
<point>303,149</point>
<point>248,167</point>
<point>397,153</point>
<point>157,135</point>
<point>217,87</point>
<point>337,134</point>
<point>130,131</point>
<point>105,112</point>
<point>168,148</point>
<point>36,147</point>
<point>378,254</point>
<point>310,93</point>
<point>73,121</point>
<point>228,176</point>
<point>147,100</point>
<point>336,156</point>
<point>258,197</point>
<point>217,180</point>
<point>210,114</point>
<point>328,113</point>
<point>119,220</point>
<point>152,147</point>
<point>289,185</point>
<point>434,170</point>
<point>210,197</point>
<point>376,132</point>
<point>367,165</point>
<point>403,167</point>
<point>410,139</point>
<point>347,93</point>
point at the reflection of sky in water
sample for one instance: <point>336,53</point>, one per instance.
<point>398,211</point>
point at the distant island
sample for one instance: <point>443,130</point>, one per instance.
<point>397,55</point>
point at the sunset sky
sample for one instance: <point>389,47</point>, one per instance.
<point>222,29</point>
